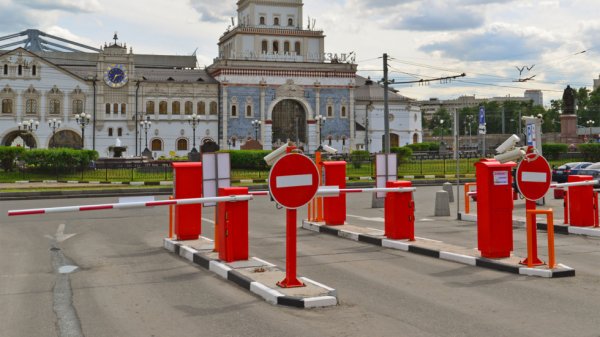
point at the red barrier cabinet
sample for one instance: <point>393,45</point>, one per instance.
<point>399,213</point>
<point>581,202</point>
<point>187,184</point>
<point>233,226</point>
<point>334,207</point>
<point>494,208</point>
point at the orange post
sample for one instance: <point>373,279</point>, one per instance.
<point>171,219</point>
<point>531,245</point>
<point>216,237</point>
<point>467,201</point>
<point>550,229</point>
<point>319,200</point>
<point>532,257</point>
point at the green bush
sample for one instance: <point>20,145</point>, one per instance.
<point>553,150</point>
<point>248,159</point>
<point>358,157</point>
<point>590,151</point>
<point>404,153</point>
<point>426,146</point>
<point>58,158</point>
<point>8,155</point>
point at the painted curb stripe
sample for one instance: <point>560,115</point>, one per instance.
<point>290,301</point>
<point>239,279</point>
<point>424,251</point>
<point>496,266</point>
<point>369,239</point>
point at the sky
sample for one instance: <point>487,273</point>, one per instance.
<point>495,43</point>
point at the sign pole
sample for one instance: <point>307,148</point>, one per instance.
<point>290,280</point>
<point>530,204</point>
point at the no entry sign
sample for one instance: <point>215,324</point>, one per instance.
<point>293,180</point>
<point>533,176</point>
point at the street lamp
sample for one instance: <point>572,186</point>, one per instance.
<point>53,124</point>
<point>442,126</point>
<point>83,119</point>
<point>145,125</point>
<point>468,121</point>
<point>320,121</point>
<point>256,124</point>
<point>28,126</point>
<point>590,123</point>
<point>194,119</point>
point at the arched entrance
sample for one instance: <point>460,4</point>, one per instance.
<point>394,140</point>
<point>415,138</point>
<point>289,122</point>
<point>65,138</point>
<point>27,138</point>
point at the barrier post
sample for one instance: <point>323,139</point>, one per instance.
<point>399,213</point>
<point>532,258</point>
<point>171,219</point>
<point>232,231</point>
<point>531,247</point>
<point>566,207</point>
<point>595,209</point>
<point>290,280</point>
<point>319,200</point>
<point>466,196</point>
<point>550,229</point>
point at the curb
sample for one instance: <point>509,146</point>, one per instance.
<point>230,273</point>
<point>412,247</point>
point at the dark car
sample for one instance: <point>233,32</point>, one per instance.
<point>560,174</point>
<point>591,170</point>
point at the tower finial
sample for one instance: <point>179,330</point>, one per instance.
<point>115,38</point>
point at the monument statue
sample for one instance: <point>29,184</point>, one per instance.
<point>568,101</point>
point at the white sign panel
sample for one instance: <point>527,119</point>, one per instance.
<point>380,169</point>
<point>216,173</point>
<point>500,178</point>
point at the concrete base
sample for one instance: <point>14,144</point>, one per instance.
<point>377,202</point>
<point>438,249</point>
<point>448,188</point>
<point>256,275</point>
<point>442,204</point>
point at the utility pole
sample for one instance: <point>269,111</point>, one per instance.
<point>386,110</point>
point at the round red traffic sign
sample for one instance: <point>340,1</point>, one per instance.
<point>533,176</point>
<point>293,180</point>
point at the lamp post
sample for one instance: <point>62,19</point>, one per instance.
<point>28,126</point>
<point>53,124</point>
<point>590,123</point>
<point>320,121</point>
<point>83,120</point>
<point>145,125</point>
<point>256,124</point>
<point>442,126</point>
<point>194,119</point>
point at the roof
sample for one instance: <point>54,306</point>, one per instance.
<point>368,90</point>
<point>175,75</point>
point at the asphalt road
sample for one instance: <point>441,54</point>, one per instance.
<point>126,284</point>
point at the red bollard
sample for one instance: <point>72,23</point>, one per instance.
<point>334,207</point>
<point>566,207</point>
<point>399,213</point>
<point>232,218</point>
<point>187,184</point>
<point>581,202</point>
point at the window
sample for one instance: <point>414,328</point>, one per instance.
<point>233,140</point>
<point>110,132</point>
<point>157,144</point>
<point>275,47</point>
<point>77,106</point>
<point>261,20</point>
<point>123,108</point>
<point>297,48</point>
<point>189,107</point>
<point>20,71</point>
<point>150,107</point>
<point>7,106</point>
<point>119,132</point>
<point>213,108</point>
<point>34,70</point>
<point>116,108</point>
<point>329,139</point>
<point>54,107</point>
<point>175,108</point>
<point>290,22</point>
<point>329,111</point>
<point>343,112</point>
<point>31,106</point>
<point>182,144</point>
<point>265,46</point>
<point>201,108</point>
<point>6,69</point>
<point>286,47</point>
<point>248,111</point>
<point>276,21</point>
<point>234,111</point>
<point>344,141</point>
<point>108,108</point>
<point>162,108</point>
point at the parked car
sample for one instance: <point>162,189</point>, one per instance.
<point>592,170</point>
<point>560,174</point>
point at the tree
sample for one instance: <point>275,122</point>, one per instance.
<point>435,124</point>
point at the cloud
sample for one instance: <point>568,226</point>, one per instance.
<point>498,42</point>
<point>74,6</point>
<point>213,11</point>
<point>440,16</point>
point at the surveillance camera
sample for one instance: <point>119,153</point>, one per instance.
<point>329,149</point>
<point>508,144</point>
<point>512,155</point>
<point>272,157</point>
<point>539,116</point>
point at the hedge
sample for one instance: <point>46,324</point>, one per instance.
<point>553,150</point>
<point>404,153</point>
<point>425,146</point>
<point>8,156</point>
<point>248,159</point>
<point>58,158</point>
<point>590,151</point>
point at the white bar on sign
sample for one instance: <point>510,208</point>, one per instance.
<point>534,177</point>
<point>294,180</point>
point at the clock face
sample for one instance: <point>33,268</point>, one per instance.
<point>115,75</point>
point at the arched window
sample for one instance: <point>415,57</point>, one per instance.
<point>343,140</point>
<point>261,20</point>
<point>329,111</point>
<point>6,69</point>
<point>297,48</point>
<point>276,21</point>
<point>201,108</point>
<point>175,108</point>
<point>31,106</point>
<point>329,139</point>
<point>182,144</point>
<point>162,108</point>
<point>248,110</point>
<point>265,46</point>
<point>156,144</point>
<point>119,132</point>
<point>34,70</point>
<point>116,108</point>
<point>77,106</point>
<point>123,108</point>
<point>189,107</point>
<point>7,106</point>
<point>286,47</point>
<point>343,112</point>
<point>54,107</point>
<point>107,108</point>
<point>290,22</point>
<point>233,110</point>
<point>20,71</point>
<point>150,108</point>
<point>110,132</point>
<point>213,108</point>
<point>275,47</point>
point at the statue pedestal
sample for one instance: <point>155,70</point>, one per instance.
<point>117,151</point>
<point>568,129</point>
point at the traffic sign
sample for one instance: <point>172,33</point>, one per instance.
<point>293,180</point>
<point>533,176</point>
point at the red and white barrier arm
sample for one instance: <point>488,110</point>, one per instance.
<point>332,191</point>
<point>577,183</point>
<point>140,204</point>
